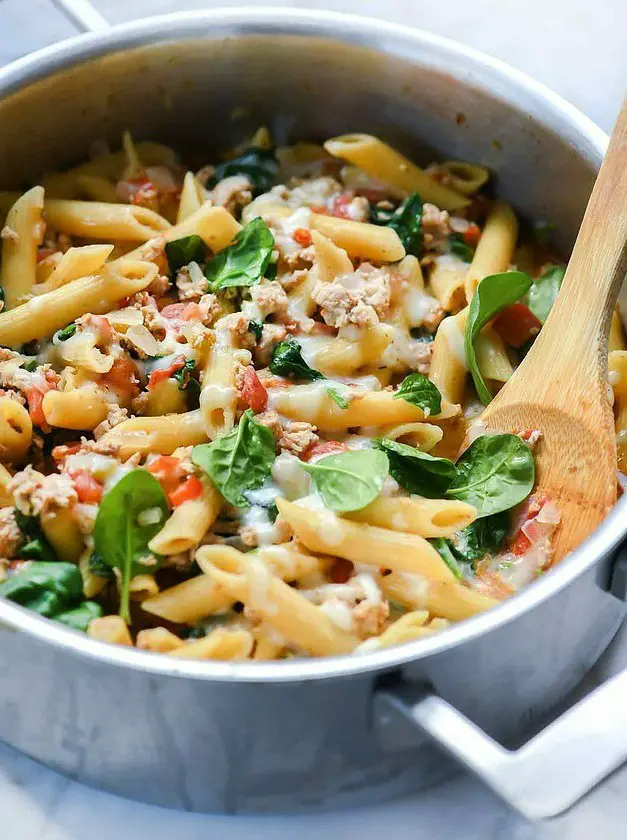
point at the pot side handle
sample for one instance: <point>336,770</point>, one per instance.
<point>82,14</point>
<point>546,775</point>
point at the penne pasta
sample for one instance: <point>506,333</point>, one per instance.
<point>496,246</point>
<point>414,515</point>
<point>324,532</point>
<point>21,236</point>
<point>98,220</point>
<point>387,165</point>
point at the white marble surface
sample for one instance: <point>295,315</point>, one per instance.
<point>576,47</point>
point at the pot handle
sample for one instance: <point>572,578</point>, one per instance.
<point>82,14</point>
<point>546,775</point>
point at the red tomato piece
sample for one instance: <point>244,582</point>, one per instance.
<point>123,375</point>
<point>341,570</point>
<point>253,393</point>
<point>60,453</point>
<point>302,236</point>
<point>89,490</point>
<point>472,234</point>
<point>191,312</point>
<point>329,447</point>
<point>339,206</point>
<point>165,373</point>
<point>168,472</point>
<point>520,544</point>
<point>190,489</point>
<point>516,324</point>
<point>35,398</point>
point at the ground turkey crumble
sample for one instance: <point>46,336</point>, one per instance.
<point>359,298</point>
<point>11,538</point>
<point>295,437</point>
<point>35,493</point>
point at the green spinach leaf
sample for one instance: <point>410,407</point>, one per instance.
<point>493,294</point>
<point>287,361</point>
<point>406,220</point>
<point>181,252</point>
<point>337,398</point>
<point>259,165</point>
<point>98,567</point>
<point>495,473</point>
<point>239,461</point>
<point>256,328</point>
<point>460,248</point>
<point>78,618</point>
<point>444,550</point>
<point>416,471</point>
<point>543,292</point>
<point>350,480</point>
<point>36,546</point>
<point>481,537</point>
<point>67,332</point>
<point>45,588</point>
<point>421,392</point>
<point>130,515</point>
<point>244,262</point>
<point>31,366</point>
<point>186,379</point>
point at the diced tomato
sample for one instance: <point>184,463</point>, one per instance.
<point>520,544</point>
<point>35,398</point>
<point>89,490</point>
<point>190,489</point>
<point>302,236</point>
<point>168,472</point>
<point>165,467</point>
<point>329,447</point>
<point>472,234</point>
<point>60,453</point>
<point>140,190</point>
<point>123,375</point>
<point>341,570</point>
<point>253,393</point>
<point>339,207</point>
<point>165,373</point>
<point>516,324</point>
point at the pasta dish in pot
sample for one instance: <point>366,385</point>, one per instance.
<point>232,400</point>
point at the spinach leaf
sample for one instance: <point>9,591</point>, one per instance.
<point>45,588</point>
<point>244,262</point>
<point>31,366</point>
<point>350,480</point>
<point>238,461</point>
<point>130,515</point>
<point>259,165</point>
<point>67,332</point>
<point>444,550</point>
<point>256,328</point>
<point>416,471</point>
<point>79,617</point>
<point>406,220</point>
<point>287,361</point>
<point>186,379</point>
<point>495,473</point>
<point>337,398</point>
<point>180,252</point>
<point>98,567</point>
<point>481,537</point>
<point>543,292</point>
<point>460,247</point>
<point>417,390</point>
<point>493,294</point>
<point>36,546</point>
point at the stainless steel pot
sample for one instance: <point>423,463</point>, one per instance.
<point>319,733</point>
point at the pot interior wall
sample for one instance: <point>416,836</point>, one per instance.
<point>206,93</point>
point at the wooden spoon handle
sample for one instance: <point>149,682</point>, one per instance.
<point>597,266</point>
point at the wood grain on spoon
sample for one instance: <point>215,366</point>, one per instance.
<point>561,387</point>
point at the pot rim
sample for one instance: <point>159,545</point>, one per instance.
<point>487,73</point>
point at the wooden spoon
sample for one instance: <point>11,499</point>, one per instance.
<point>561,387</point>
